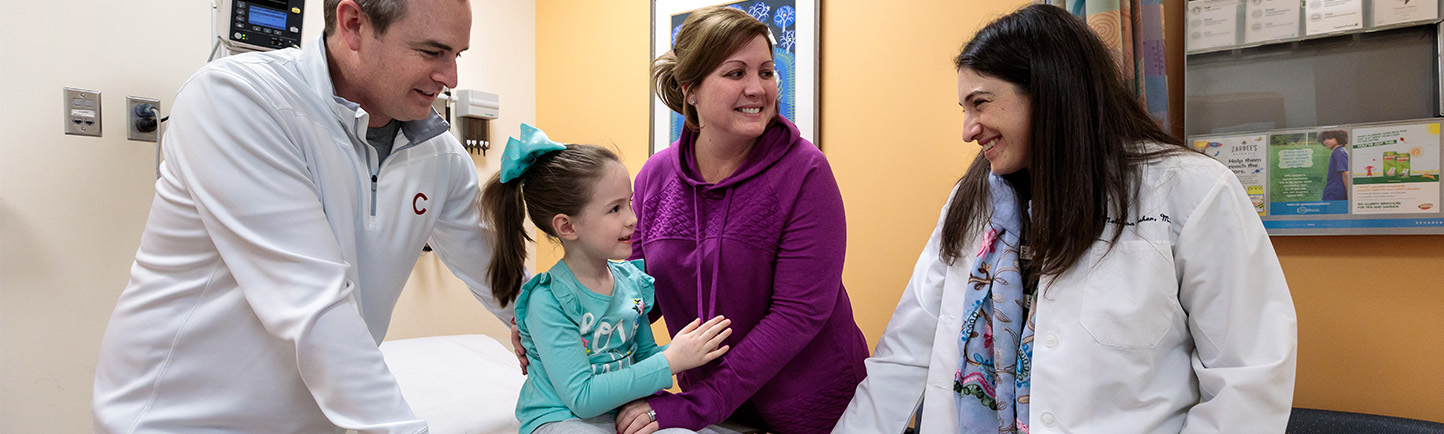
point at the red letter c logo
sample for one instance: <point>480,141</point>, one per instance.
<point>416,203</point>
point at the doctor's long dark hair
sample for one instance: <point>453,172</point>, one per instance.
<point>558,182</point>
<point>1088,132</point>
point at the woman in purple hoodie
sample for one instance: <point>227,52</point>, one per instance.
<point>742,217</point>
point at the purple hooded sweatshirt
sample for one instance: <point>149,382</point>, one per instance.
<point>765,248</point>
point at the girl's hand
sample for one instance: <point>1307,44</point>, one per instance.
<point>636,418</point>
<point>697,344</point>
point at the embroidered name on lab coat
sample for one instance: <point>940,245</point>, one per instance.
<point>1161,217</point>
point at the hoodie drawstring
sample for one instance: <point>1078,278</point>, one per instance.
<point>717,259</point>
<point>699,238</point>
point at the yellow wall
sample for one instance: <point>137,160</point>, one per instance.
<point>1371,323</point>
<point>1371,309</point>
<point>891,128</point>
<point>593,59</point>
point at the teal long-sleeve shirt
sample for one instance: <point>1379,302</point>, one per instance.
<point>588,353</point>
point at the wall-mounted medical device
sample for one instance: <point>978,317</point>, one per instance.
<point>259,25</point>
<point>477,104</point>
<point>471,111</point>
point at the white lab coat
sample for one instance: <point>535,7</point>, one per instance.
<point>274,253</point>
<point>1185,326</point>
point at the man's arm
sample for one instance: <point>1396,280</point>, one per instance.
<point>240,163</point>
<point>464,241</point>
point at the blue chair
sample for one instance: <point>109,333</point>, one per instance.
<point>1311,421</point>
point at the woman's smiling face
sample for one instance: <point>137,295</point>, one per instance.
<point>739,99</point>
<point>998,117</point>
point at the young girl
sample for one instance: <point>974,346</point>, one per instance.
<point>584,322</point>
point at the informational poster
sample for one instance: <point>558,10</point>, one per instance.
<point>1299,175</point>
<point>1380,178</point>
<point>1326,16</point>
<point>1247,157</point>
<point>1271,20</point>
<point>1388,12</point>
<point>1212,24</point>
<point>1396,169</point>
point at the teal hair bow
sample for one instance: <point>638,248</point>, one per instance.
<point>520,154</point>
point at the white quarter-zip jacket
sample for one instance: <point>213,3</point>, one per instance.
<point>1186,326</point>
<point>273,256</point>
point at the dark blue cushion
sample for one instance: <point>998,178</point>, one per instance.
<point>1311,421</point>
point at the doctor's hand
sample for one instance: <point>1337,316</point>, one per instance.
<point>697,344</point>
<point>636,418</point>
<point>516,346</point>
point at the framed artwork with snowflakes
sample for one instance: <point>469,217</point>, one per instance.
<point>794,26</point>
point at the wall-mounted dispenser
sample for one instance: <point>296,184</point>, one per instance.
<point>474,111</point>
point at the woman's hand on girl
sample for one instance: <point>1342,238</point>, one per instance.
<point>698,344</point>
<point>636,418</point>
<point>516,346</point>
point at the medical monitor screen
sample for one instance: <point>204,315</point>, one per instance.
<point>268,17</point>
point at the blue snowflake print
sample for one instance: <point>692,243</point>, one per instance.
<point>675,31</point>
<point>737,7</point>
<point>759,11</point>
<point>785,16</point>
<point>786,75</point>
<point>789,38</point>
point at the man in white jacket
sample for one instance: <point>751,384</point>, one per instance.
<point>298,189</point>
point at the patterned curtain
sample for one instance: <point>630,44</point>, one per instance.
<point>1133,29</point>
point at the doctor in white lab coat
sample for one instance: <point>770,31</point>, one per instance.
<point>1166,312</point>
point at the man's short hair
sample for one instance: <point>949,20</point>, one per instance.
<point>381,13</point>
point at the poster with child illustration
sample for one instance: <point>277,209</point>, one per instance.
<point>1299,176</point>
<point>1396,169</point>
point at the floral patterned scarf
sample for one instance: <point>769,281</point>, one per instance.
<point>996,344</point>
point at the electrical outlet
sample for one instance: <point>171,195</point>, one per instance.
<point>142,123</point>
<point>82,112</point>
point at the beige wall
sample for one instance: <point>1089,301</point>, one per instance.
<point>1369,307</point>
<point>72,208</point>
